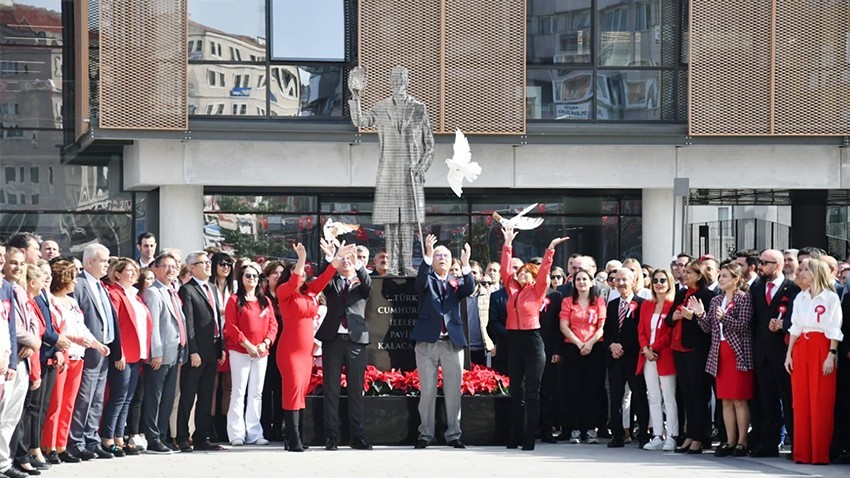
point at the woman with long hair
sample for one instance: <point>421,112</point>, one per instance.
<point>812,352</point>
<point>223,282</point>
<point>71,323</point>
<point>298,305</point>
<point>582,322</point>
<point>250,329</point>
<point>134,416</point>
<point>656,362</point>
<point>272,415</point>
<point>690,346</point>
<point>730,358</point>
<point>527,358</point>
<point>135,326</point>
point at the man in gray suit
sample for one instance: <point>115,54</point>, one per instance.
<point>101,320</point>
<point>344,339</point>
<point>168,351</point>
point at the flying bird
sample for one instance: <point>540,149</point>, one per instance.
<point>520,221</point>
<point>332,230</point>
<point>460,166</point>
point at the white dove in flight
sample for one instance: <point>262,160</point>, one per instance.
<point>333,229</point>
<point>520,221</point>
<point>460,166</point>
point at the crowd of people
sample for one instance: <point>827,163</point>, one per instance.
<point>114,356</point>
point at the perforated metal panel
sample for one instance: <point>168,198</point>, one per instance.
<point>143,64</point>
<point>813,68</point>
<point>406,33</point>
<point>466,59</point>
<point>730,67</point>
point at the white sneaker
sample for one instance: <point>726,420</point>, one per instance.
<point>236,442</point>
<point>259,442</point>
<point>592,437</point>
<point>655,444</point>
<point>669,444</point>
<point>138,442</point>
<point>575,437</point>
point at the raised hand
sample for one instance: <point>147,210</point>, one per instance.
<point>345,250</point>
<point>465,254</point>
<point>558,241</point>
<point>509,234</point>
<point>329,248</point>
<point>430,242</point>
<point>300,251</point>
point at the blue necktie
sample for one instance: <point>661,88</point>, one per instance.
<point>108,333</point>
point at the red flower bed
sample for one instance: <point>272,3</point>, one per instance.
<point>478,381</point>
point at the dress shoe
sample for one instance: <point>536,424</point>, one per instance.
<point>420,444</point>
<point>360,443</point>
<point>184,447</point>
<point>842,457</point>
<point>38,464</point>
<point>173,446</point>
<point>67,457</point>
<point>53,458</point>
<point>695,451</point>
<point>208,446</point>
<point>739,450</point>
<point>616,443</point>
<point>723,451</point>
<point>456,444</point>
<point>102,454</point>
<point>26,468</point>
<point>331,444</point>
<point>15,473</point>
<point>764,452</point>
<point>158,448</point>
<point>113,450</point>
<point>86,455</point>
<point>130,450</point>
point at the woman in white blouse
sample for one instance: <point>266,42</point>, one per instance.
<point>812,351</point>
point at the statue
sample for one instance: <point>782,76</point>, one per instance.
<point>407,149</point>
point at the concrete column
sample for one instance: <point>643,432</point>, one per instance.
<point>658,227</point>
<point>181,218</point>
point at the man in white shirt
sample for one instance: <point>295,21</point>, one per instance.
<point>147,249</point>
<point>748,259</point>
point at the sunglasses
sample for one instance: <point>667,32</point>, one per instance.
<point>659,280</point>
<point>226,264</point>
<point>764,262</point>
<point>250,275</point>
<point>557,277</point>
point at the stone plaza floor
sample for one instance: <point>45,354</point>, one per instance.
<point>555,460</point>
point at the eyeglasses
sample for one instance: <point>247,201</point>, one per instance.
<point>167,266</point>
<point>609,279</point>
<point>659,280</point>
<point>226,264</point>
<point>556,277</point>
<point>763,262</point>
<point>250,275</point>
<point>206,262</point>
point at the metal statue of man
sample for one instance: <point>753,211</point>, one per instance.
<point>407,150</point>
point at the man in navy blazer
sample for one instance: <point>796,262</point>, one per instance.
<point>440,337</point>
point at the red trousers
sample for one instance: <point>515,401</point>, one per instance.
<point>813,395</point>
<point>58,421</point>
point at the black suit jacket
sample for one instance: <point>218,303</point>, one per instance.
<point>844,345</point>
<point>353,307</point>
<point>200,321</point>
<point>550,323</point>
<point>498,318</point>
<point>628,335</point>
<point>769,345</point>
<point>693,336</point>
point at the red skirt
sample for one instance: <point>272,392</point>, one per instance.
<point>732,384</point>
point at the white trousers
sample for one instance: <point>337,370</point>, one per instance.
<point>661,388</point>
<point>248,376</point>
<point>11,409</point>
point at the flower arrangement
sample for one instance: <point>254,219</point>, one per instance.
<point>478,381</point>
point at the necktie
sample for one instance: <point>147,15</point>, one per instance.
<point>214,311</point>
<point>344,296</point>
<point>106,305</point>
<point>176,303</point>
<point>443,330</point>
<point>769,294</point>
<point>621,315</point>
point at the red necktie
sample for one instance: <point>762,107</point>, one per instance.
<point>175,301</point>
<point>769,294</point>
<point>215,312</point>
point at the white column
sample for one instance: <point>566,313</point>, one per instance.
<point>658,229</point>
<point>181,218</point>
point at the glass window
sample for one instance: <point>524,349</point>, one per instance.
<point>74,231</point>
<point>629,33</point>
<point>308,31</point>
<point>510,206</point>
<point>31,80</point>
<point>305,91</point>
<point>231,29</point>
<point>262,235</point>
<point>240,203</point>
<point>31,22</point>
<point>628,95</point>
<point>225,89</point>
<point>559,94</point>
<point>559,32</point>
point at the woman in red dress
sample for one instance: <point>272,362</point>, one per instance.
<point>298,306</point>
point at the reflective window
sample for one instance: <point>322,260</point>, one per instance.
<point>31,88</point>
<point>240,203</point>
<point>558,94</point>
<point>628,95</point>
<point>559,32</point>
<point>305,91</point>
<point>230,30</point>
<point>629,33</point>
<point>262,235</point>
<point>227,89</point>
<point>31,23</point>
<point>74,231</point>
<point>308,31</point>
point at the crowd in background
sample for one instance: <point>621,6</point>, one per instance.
<point>673,358</point>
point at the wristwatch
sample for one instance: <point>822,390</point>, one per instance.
<point>833,351</point>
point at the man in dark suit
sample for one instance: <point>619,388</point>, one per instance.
<point>553,341</point>
<point>841,441</point>
<point>773,298</point>
<point>102,321</point>
<point>168,352</point>
<point>344,337</point>
<point>621,335</point>
<point>203,328</point>
<point>440,337</point>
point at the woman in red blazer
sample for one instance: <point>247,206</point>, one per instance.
<point>656,361</point>
<point>135,326</point>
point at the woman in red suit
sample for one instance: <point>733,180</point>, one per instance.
<point>656,361</point>
<point>135,327</point>
<point>730,358</point>
<point>298,306</point>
